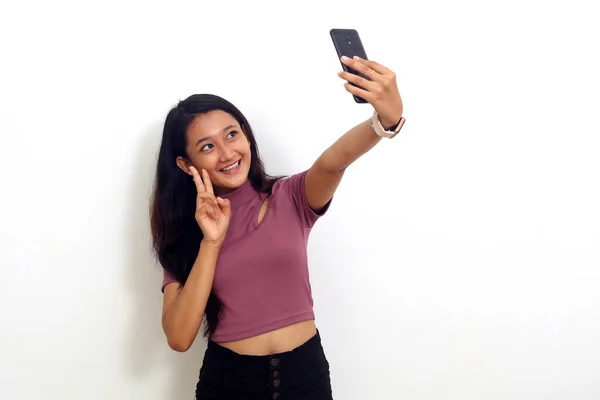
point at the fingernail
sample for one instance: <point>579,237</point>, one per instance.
<point>340,73</point>
<point>344,58</point>
<point>356,58</point>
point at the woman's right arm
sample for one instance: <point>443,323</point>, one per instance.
<point>183,306</point>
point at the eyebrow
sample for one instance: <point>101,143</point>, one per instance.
<point>228,127</point>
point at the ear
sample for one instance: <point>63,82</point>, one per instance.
<point>184,165</point>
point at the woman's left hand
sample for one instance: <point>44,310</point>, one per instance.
<point>381,91</point>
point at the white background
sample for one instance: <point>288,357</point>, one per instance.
<point>459,260</point>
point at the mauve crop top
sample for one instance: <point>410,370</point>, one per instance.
<point>262,276</point>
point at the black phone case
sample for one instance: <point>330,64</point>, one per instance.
<point>347,43</point>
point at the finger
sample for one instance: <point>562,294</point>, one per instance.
<point>373,65</point>
<point>208,209</point>
<point>360,67</point>
<point>359,92</point>
<point>212,211</point>
<point>360,81</point>
<point>206,199</point>
<point>201,210</point>
<point>206,196</point>
<point>222,207</point>
<point>225,206</point>
<point>207,182</point>
<point>197,180</point>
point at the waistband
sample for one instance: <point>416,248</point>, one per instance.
<point>307,347</point>
<point>300,368</point>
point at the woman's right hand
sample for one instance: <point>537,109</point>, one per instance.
<point>212,213</point>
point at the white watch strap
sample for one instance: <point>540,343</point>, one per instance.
<point>378,128</point>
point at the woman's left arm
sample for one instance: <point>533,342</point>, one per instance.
<point>381,91</point>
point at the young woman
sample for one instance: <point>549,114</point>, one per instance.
<point>232,241</point>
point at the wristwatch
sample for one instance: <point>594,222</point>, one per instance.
<point>381,131</point>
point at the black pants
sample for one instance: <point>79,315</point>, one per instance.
<point>302,373</point>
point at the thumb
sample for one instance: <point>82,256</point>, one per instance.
<point>225,206</point>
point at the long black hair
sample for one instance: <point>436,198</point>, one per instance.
<point>176,235</point>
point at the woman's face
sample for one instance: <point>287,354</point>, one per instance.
<point>216,142</point>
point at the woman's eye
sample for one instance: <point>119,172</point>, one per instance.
<point>207,147</point>
<point>232,134</point>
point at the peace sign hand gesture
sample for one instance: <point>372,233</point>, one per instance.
<point>380,89</point>
<point>212,213</point>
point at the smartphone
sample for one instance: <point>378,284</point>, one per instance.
<point>347,43</point>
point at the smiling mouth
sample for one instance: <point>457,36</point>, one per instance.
<point>231,167</point>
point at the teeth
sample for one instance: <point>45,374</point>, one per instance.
<point>232,166</point>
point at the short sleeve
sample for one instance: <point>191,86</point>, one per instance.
<point>167,278</point>
<point>295,187</point>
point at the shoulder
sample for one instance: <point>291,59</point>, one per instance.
<point>293,188</point>
<point>291,185</point>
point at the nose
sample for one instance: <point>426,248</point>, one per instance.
<point>227,153</point>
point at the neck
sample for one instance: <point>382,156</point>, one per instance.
<point>239,195</point>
